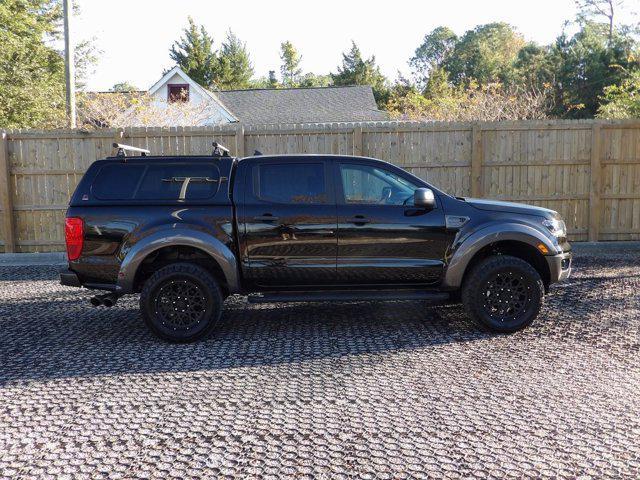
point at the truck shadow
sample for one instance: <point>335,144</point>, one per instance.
<point>48,338</point>
<point>49,332</point>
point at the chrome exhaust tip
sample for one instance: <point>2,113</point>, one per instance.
<point>95,301</point>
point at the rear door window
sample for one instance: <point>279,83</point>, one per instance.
<point>297,183</point>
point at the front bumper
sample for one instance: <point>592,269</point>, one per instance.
<point>559,266</point>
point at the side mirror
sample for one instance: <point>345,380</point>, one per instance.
<point>424,198</point>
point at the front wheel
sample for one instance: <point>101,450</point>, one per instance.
<point>503,292</point>
<point>181,302</point>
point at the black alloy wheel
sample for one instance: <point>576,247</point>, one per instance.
<point>181,302</point>
<point>507,295</point>
<point>503,292</point>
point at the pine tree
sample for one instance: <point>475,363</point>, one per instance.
<point>356,70</point>
<point>195,55</point>
<point>234,69</point>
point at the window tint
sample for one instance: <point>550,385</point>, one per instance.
<point>290,182</point>
<point>364,184</point>
<point>156,182</point>
<point>179,182</point>
<point>117,181</point>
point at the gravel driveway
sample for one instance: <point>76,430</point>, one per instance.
<point>364,390</point>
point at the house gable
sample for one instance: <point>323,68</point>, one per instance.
<point>197,94</point>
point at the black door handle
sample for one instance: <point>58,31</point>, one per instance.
<point>359,220</point>
<point>267,217</point>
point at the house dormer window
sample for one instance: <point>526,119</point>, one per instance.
<point>178,92</point>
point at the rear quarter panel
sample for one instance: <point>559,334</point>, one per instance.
<point>111,232</point>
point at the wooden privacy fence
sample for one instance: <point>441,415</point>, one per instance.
<point>589,171</point>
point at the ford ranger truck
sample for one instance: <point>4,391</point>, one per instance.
<point>185,232</point>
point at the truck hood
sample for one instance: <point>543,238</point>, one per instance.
<point>510,207</point>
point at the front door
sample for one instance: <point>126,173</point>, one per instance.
<point>382,237</point>
<point>289,220</point>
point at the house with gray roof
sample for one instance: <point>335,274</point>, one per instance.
<point>266,106</point>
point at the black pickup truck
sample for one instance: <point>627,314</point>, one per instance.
<point>188,231</point>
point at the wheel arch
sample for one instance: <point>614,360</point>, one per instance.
<point>215,254</point>
<point>518,240</point>
<point>172,254</point>
<point>514,248</point>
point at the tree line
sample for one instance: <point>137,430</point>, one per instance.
<point>490,72</point>
<point>230,66</point>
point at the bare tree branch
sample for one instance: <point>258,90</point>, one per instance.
<point>139,109</point>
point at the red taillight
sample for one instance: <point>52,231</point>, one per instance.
<point>74,236</point>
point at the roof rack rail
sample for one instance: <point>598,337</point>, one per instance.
<point>219,150</point>
<point>123,149</point>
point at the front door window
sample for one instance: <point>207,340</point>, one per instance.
<point>367,185</point>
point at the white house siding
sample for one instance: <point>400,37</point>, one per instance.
<point>214,114</point>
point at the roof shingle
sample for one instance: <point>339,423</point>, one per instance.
<point>302,105</point>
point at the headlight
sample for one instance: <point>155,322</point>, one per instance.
<point>556,226</point>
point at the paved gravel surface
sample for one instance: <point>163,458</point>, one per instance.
<point>363,390</point>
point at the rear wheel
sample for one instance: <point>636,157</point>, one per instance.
<point>181,302</point>
<point>503,292</point>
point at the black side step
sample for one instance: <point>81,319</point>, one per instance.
<point>349,296</point>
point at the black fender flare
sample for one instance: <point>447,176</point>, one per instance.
<point>178,237</point>
<point>497,232</point>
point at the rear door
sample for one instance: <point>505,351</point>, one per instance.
<point>288,222</point>
<point>382,237</point>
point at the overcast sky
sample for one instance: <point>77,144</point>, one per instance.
<point>135,35</point>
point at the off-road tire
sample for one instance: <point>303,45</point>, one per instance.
<point>503,292</point>
<point>181,302</point>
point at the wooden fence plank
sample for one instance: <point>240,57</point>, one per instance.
<point>594,188</point>
<point>357,140</point>
<point>240,140</point>
<point>6,200</point>
<point>476,161</point>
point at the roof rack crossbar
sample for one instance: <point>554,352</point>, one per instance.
<point>123,149</point>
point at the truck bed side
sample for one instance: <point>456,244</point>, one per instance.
<point>113,227</point>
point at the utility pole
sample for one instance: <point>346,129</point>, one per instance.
<point>69,66</point>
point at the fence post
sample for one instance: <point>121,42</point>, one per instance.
<point>594,186</point>
<point>239,140</point>
<point>6,201</point>
<point>476,161</point>
<point>357,140</point>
